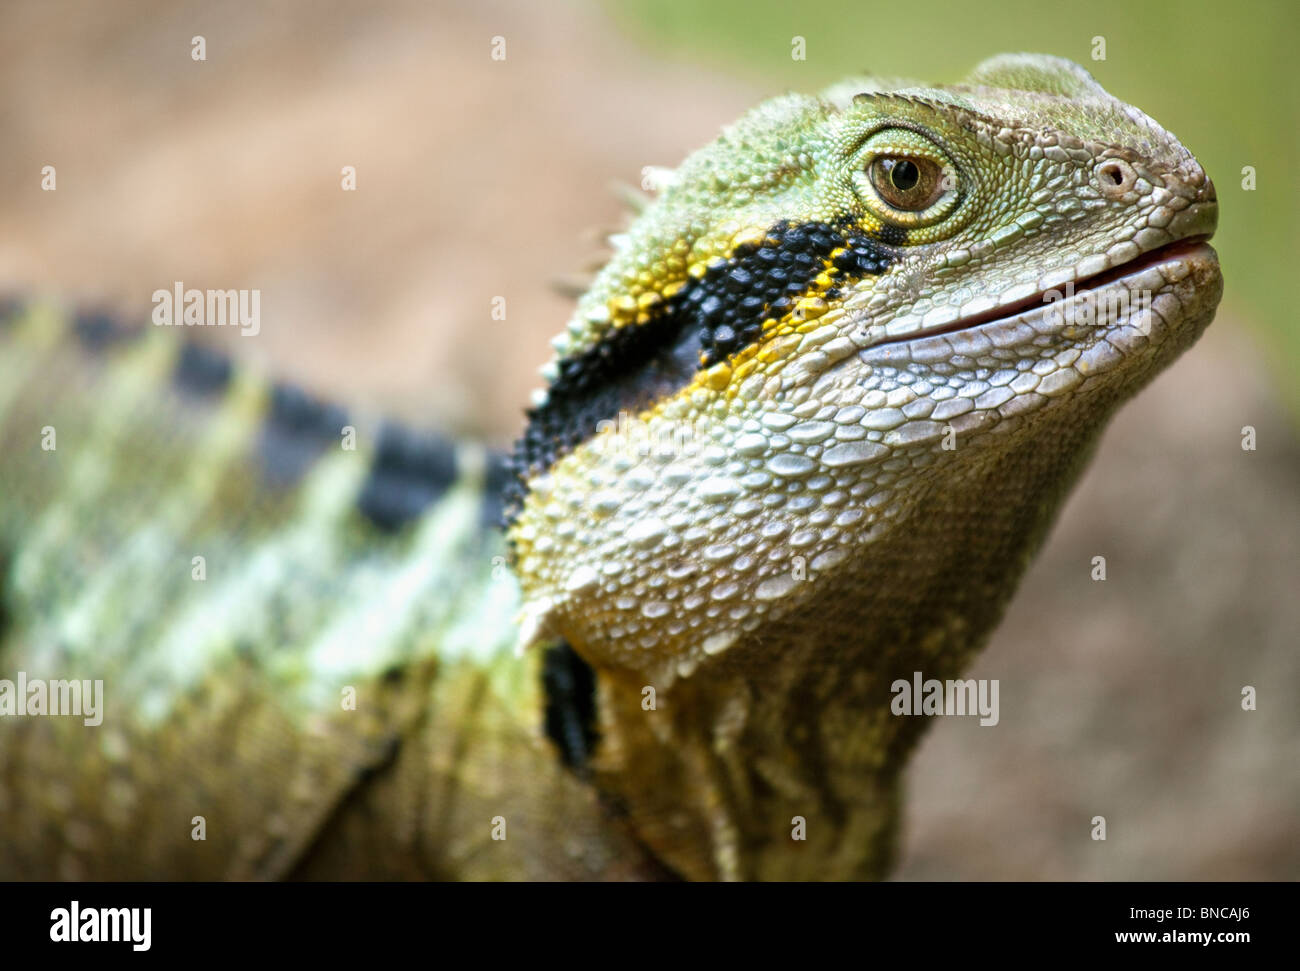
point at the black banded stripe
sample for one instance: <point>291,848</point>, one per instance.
<point>569,684</point>
<point>11,308</point>
<point>410,471</point>
<point>496,483</point>
<point>200,370</point>
<point>297,430</point>
<point>99,329</point>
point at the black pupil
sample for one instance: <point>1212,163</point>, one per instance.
<point>904,174</point>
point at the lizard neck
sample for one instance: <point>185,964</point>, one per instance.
<point>781,758</point>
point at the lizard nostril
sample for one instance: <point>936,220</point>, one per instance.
<point>1115,177</point>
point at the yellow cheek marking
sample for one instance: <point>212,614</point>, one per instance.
<point>802,318</point>
<point>716,378</point>
<point>642,292</point>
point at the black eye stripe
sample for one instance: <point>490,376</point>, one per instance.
<point>707,321</point>
<point>766,280</point>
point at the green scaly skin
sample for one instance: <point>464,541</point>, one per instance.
<point>860,473</point>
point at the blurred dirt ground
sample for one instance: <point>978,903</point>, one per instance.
<point>479,178</point>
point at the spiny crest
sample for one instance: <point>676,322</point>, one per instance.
<point>678,236</point>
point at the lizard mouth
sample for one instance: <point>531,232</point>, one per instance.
<point>1191,249</point>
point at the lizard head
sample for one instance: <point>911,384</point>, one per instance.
<point>839,300</point>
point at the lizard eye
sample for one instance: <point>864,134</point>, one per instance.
<point>905,179</point>
<point>910,184</point>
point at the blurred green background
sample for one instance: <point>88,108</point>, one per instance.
<point>1222,76</point>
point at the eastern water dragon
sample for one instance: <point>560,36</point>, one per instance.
<point>800,439</point>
